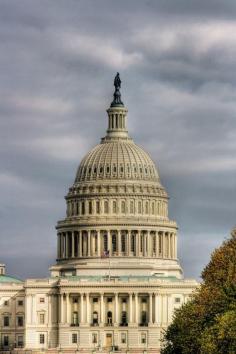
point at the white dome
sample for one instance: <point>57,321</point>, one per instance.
<point>116,159</point>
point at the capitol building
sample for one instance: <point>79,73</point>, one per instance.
<point>117,279</point>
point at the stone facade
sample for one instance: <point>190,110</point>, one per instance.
<point>117,279</point>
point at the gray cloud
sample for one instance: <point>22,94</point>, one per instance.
<point>177,64</point>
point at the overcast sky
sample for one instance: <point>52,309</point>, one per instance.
<point>177,61</point>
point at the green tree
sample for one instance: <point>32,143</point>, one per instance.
<point>207,323</point>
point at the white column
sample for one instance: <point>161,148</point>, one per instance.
<point>136,309</point>
<point>169,245</point>
<point>116,309</point>
<point>80,243</point>
<point>138,244</point>
<point>58,245</point>
<point>49,309</point>
<point>157,244</point>
<point>62,307</point>
<point>128,243</point>
<point>102,309</point>
<point>68,310</point>
<point>89,243</point>
<point>156,309</point>
<point>118,242</point>
<point>131,308</point>
<point>73,244</point>
<point>148,244</point>
<point>99,243</point>
<point>169,309</point>
<point>29,309</point>
<point>159,310</point>
<point>34,314</point>
<point>150,309</point>
<point>67,245</point>
<point>109,245</point>
<point>176,245</point>
<point>82,308</point>
<point>164,309</point>
<point>87,309</point>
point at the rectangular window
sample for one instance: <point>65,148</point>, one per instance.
<point>6,303</point>
<point>94,338</point>
<point>41,318</point>
<point>6,321</point>
<point>74,338</point>
<point>144,300</point>
<point>143,338</point>
<point>20,321</point>
<point>123,338</point>
<point>95,299</point>
<point>177,300</point>
<point>20,341</point>
<point>109,299</point>
<point>5,341</point>
<point>41,338</point>
<point>20,303</point>
<point>41,300</point>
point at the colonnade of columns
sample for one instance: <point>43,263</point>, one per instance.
<point>90,309</point>
<point>101,243</point>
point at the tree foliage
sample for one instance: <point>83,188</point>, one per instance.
<point>207,323</point>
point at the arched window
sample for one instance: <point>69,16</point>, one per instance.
<point>109,318</point>
<point>82,208</point>
<point>146,208</point>
<point>123,207</point>
<point>140,207</point>
<point>123,243</point>
<point>114,208</point>
<point>131,207</point>
<point>90,207</point>
<point>97,207</point>
<point>77,208</point>
<point>114,243</point>
<point>106,207</point>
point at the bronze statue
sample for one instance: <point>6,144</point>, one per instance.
<point>117,81</point>
<point>117,96</point>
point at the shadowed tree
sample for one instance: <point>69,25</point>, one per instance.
<point>207,323</point>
